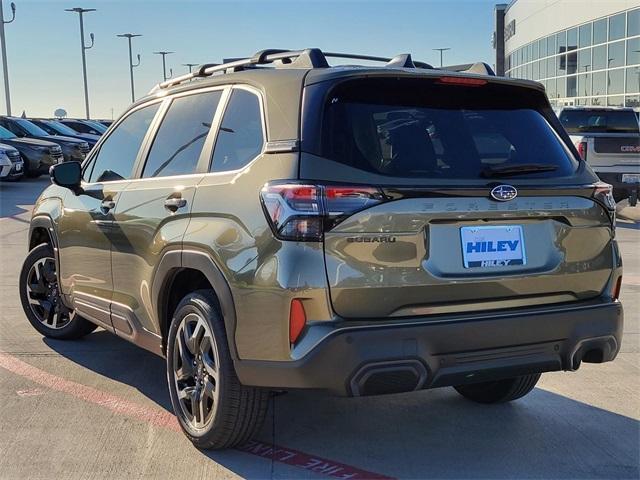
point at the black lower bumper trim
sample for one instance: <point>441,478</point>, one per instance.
<point>426,354</point>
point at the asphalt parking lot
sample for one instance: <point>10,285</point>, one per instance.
<point>99,408</point>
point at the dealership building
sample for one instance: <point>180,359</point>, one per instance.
<point>585,52</point>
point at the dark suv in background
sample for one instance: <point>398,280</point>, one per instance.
<point>84,126</point>
<point>73,149</point>
<point>54,127</point>
<point>278,223</point>
<point>38,155</point>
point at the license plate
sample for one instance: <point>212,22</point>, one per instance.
<point>631,178</point>
<point>492,246</point>
<point>18,167</point>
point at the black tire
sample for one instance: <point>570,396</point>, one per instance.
<point>231,413</point>
<point>28,171</point>
<point>499,391</point>
<point>44,309</point>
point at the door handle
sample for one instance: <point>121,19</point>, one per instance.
<point>174,203</point>
<point>107,205</point>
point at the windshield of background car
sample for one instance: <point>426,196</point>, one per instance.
<point>599,121</point>
<point>31,128</point>
<point>61,128</point>
<point>424,129</point>
<point>98,126</point>
<point>6,134</point>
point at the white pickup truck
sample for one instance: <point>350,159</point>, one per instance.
<point>609,140</point>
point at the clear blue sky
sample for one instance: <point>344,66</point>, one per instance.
<point>44,47</point>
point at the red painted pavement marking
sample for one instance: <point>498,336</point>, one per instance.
<point>309,462</point>
<point>167,420</point>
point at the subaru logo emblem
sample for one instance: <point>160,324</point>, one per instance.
<point>504,193</point>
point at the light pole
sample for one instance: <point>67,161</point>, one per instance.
<point>441,50</point>
<point>83,47</point>
<point>129,36</point>
<point>190,65</point>
<point>4,52</point>
<point>164,65</point>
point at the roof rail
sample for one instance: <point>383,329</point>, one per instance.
<point>403,60</point>
<point>309,58</point>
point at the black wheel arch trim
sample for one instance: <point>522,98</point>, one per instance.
<point>46,222</point>
<point>175,260</point>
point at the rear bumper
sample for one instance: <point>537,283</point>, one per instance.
<point>361,360</point>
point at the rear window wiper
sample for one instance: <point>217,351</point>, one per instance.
<point>513,170</point>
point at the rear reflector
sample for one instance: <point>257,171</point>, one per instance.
<point>469,82</point>
<point>297,320</point>
<point>618,287</point>
<point>304,212</point>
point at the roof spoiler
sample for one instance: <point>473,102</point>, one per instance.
<point>478,68</point>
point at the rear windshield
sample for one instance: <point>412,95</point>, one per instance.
<point>599,121</point>
<point>422,129</point>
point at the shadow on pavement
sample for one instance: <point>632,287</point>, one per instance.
<point>427,434</point>
<point>23,192</point>
<point>631,226</point>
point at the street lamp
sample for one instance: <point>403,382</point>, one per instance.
<point>441,50</point>
<point>83,47</point>
<point>4,52</point>
<point>164,65</point>
<point>190,65</point>
<point>129,36</point>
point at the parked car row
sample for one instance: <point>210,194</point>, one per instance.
<point>30,146</point>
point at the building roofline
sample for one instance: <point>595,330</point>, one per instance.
<point>511,3</point>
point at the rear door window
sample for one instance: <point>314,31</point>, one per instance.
<point>421,129</point>
<point>178,143</point>
<point>241,136</point>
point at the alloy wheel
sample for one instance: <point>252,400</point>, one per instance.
<point>43,294</point>
<point>196,373</point>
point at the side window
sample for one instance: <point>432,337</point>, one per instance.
<point>78,127</point>
<point>240,137</point>
<point>12,128</point>
<point>118,152</point>
<point>178,143</point>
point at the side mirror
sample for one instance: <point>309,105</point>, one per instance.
<point>67,175</point>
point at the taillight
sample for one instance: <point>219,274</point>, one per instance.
<point>603,193</point>
<point>582,150</point>
<point>303,212</point>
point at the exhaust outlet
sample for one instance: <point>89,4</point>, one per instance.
<point>389,377</point>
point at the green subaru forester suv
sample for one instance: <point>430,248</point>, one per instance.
<point>278,223</point>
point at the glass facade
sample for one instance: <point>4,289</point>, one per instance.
<point>595,63</point>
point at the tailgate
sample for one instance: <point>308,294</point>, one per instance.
<point>405,257</point>
<point>605,151</point>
